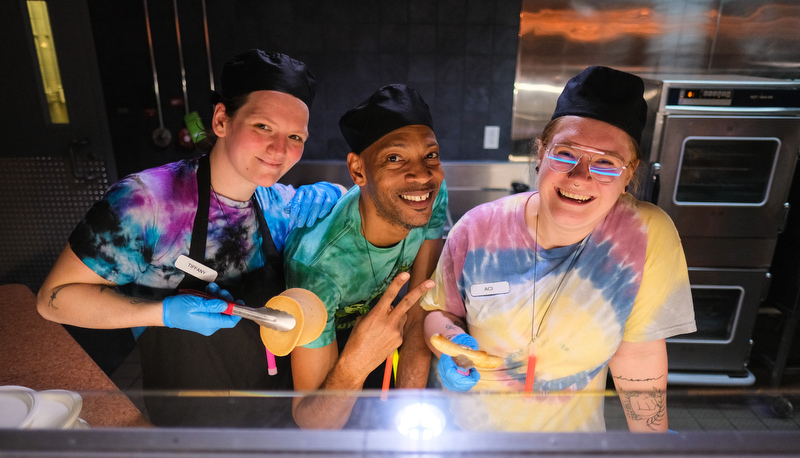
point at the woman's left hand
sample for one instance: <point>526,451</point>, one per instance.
<point>312,202</point>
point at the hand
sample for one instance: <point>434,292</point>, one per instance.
<point>312,202</point>
<point>223,294</point>
<point>380,332</point>
<point>193,313</point>
<point>452,376</point>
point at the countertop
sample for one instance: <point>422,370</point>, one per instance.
<point>41,355</point>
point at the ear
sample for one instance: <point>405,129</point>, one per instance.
<point>219,120</point>
<point>539,154</point>
<point>355,164</point>
<point>630,172</point>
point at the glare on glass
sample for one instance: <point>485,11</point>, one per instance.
<point>603,167</point>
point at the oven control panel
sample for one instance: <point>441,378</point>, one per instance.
<point>742,97</point>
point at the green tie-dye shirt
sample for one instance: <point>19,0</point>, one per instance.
<point>331,259</point>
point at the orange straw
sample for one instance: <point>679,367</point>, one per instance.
<point>529,374</point>
<point>387,377</point>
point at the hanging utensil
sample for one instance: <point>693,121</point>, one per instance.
<point>264,316</point>
<point>161,136</point>
<point>208,46</point>
<point>193,132</point>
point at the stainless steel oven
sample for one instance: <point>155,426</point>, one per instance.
<point>721,152</point>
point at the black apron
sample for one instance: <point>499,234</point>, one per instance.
<point>229,359</point>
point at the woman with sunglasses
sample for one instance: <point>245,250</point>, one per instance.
<point>567,282</point>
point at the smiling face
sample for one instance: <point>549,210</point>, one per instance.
<point>573,203</point>
<point>399,176</point>
<point>258,144</point>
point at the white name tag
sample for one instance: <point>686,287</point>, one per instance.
<point>489,289</point>
<point>195,269</point>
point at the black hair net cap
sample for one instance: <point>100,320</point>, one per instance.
<point>389,108</point>
<point>608,95</point>
<point>256,70</point>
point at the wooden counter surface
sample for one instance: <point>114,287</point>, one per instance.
<point>41,355</point>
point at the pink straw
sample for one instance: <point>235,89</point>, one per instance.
<point>273,368</point>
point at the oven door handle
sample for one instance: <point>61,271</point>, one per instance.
<point>655,182</point>
<point>784,217</point>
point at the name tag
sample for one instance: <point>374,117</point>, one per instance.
<point>195,269</point>
<point>489,289</point>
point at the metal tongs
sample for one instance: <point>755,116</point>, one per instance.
<point>264,316</point>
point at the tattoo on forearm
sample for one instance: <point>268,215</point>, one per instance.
<point>455,329</point>
<point>52,302</point>
<point>638,379</point>
<point>132,300</point>
<point>650,407</point>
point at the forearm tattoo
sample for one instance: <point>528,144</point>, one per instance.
<point>455,329</point>
<point>52,302</point>
<point>639,379</point>
<point>131,299</point>
<point>650,407</point>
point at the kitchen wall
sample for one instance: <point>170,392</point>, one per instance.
<point>460,54</point>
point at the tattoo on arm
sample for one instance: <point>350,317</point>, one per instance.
<point>650,407</point>
<point>455,329</point>
<point>638,379</point>
<point>52,302</point>
<point>133,300</point>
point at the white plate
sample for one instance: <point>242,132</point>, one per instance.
<point>80,423</point>
<point>18,405</point>
<point>58,409</point>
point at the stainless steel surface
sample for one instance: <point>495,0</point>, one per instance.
<point>169,442</point>
<point>739,159</point>
<point>725,301</point>
<point>559,38</point>
<point>267,317</point>
<point>468,183</point>
<point>722,150</point>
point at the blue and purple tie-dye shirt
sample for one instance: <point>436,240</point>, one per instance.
<point>144,222</point>
<point>627,281</point>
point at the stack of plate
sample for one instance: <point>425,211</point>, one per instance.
<point>24,408</point>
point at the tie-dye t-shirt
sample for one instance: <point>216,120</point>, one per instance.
<point>349,274</point>
<point>627,280</point>
<point>144,222</point>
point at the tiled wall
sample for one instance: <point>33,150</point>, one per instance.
<point>460,54</point>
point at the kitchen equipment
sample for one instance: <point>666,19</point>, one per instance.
<point>264,316</point>
<point>721,153</point>
<point>161,136</point>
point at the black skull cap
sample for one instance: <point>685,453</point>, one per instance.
<point>608,95</point>
<point>388,109</point>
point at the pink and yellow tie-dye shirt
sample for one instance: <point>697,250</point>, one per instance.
<point>627,281</point>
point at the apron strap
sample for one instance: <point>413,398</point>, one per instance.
<point>197,248</point>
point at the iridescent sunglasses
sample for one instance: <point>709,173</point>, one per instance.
<point>603,167</point>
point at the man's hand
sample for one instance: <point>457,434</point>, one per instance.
<point>378,333</point>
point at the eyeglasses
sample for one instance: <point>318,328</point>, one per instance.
<point>603,167</point>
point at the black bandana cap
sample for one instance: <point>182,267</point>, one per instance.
<point>256,70</point>
<point>608,95</point>
<point>389,108</point>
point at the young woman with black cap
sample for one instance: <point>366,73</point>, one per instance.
<point>566,282</point>
<point>219,218</point>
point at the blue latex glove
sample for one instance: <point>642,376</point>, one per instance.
<point>193,313</point>
<point>312,202</point>
<point>213,288</point>
<point>448,371</point>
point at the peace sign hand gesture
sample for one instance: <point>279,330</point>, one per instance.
<point>380,332</point>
